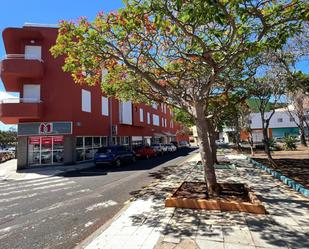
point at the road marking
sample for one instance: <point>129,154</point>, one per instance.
<point>34,184</point>
<point>99,205</point>
<point>34,194</point>
<point>9,183</point>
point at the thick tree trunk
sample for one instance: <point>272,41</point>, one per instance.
<point>206,150</point>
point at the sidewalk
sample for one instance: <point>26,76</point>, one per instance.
<point>8,170</point>
<point>146,223</point>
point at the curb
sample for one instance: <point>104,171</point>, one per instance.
<point>288,181</point>
<point>83,244</point>
<point>102,228</point>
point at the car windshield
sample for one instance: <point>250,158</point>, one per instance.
<point>105,150</point>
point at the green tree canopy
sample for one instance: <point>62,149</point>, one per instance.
<point>175,51</point>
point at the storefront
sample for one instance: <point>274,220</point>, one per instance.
<point>45,150</point>
<point>46,143</point>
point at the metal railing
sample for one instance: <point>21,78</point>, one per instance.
<point>22,56</point>
<point>20,100</point>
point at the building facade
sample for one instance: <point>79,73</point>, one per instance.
<point>281,124</point>
<point>60,122</point>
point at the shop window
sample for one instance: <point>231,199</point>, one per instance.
<point>104,141</point>
<point>45,150</point>
<point>86,101</point>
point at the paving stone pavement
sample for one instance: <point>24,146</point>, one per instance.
<point>146,223</point>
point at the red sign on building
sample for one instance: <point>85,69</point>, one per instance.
<point>34,140</point>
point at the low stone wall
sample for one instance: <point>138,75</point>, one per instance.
<point>288,181</point>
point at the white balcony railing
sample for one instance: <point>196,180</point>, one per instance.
<point>20,100</point>
<point>23,57</point>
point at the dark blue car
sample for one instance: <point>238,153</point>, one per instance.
<point>115,155</point>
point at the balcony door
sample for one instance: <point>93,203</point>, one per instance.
<point>33,52</point>
<point>31,93</point>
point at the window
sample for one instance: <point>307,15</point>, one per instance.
<point>292,119</point>
<point>172,124</point>
<point>165,122</point>
<point>162,122</point>
<point>141,115</point>
<point>148,118</point>
<point>86,101</point>
<point>280,120</point>
<point>86,147</point>
<point>125,112</point>
<point>31,93</point>
<point>104,106</point>
<point>155,105</point>
<point>155,120</point>
<point>33,52</point>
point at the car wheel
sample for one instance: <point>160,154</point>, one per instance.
<point>118,163</point>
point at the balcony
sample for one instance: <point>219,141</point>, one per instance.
<point>18,67</point>
<point>14,110</point>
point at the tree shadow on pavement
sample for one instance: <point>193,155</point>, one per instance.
<point>286,225</point>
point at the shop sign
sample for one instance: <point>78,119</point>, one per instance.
<point>34,140</point>
<point>46,140</point>
<point>46,128</point>
<point>58,139</point>
<point>50,128</point>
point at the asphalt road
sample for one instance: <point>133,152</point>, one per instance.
<point>61,211</point>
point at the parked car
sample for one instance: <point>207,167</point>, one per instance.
<point>145,151</point>
<point>175,143</point>
<point>159,148</point>
<point>171,147</point>
<point>115,155</point>
<point>183,144</point>
<point>221,143</point>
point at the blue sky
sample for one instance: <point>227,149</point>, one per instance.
<point>14,13</point>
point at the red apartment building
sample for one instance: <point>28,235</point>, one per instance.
<point>60,122</point>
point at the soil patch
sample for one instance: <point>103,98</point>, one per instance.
<point>233,197</point>
<point>296,169</point>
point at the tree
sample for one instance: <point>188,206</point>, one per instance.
<point>267,91</point>
<point>8,138</point>
<point>174,51</point>
<point>297,109</point>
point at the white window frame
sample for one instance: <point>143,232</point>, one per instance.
<point>86,101</point>
<point>148,118</point>
<point>105,106</point>
<point>33,52</point>
<point>141,115</point>
<point>155,120</point>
